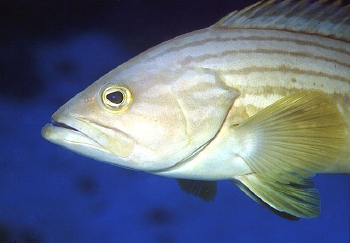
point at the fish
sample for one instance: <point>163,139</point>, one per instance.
<point>258,98</point>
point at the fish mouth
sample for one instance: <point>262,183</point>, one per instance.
<point>87,138</point>
<point>62,125</point>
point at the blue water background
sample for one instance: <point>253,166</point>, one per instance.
<point>51,51</point>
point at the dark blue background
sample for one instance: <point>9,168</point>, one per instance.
<point>51,51</point>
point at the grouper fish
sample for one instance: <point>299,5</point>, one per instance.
<point>260,98</point>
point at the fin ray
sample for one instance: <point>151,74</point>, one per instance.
<point>252,195</point>
<point>301,134</point>
<point>322,17</point>
<point>203,189</point>
<point>299,200</point>
<point>288,142</point>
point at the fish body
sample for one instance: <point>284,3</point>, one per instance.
<point>258,98</point>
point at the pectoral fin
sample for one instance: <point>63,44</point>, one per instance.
<point>288,142</point>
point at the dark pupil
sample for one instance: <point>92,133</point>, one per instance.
<point>115,97</point>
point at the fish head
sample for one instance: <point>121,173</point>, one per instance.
<point>141,117</point>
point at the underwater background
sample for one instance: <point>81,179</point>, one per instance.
<point>49,51</point>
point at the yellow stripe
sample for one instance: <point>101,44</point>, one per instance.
<point>189,43</point>
<point>267,52</point>
<point>263,65</point>
<point>285,70</point>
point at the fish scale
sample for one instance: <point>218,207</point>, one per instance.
<point>267,58</point>
<point>259,98</point>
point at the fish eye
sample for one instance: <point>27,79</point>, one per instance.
<point>115,97</point>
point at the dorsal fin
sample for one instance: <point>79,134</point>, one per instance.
<point>329,18</point>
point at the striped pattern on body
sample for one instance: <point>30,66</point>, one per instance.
<point>263,65</point>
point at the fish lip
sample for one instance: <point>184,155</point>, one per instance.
<point>63,123</point>
<point>66,129</point>
<point>57,123</point>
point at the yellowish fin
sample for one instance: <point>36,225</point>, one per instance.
<point>288,142</point>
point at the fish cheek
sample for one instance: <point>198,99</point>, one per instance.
<point>158,128</point>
